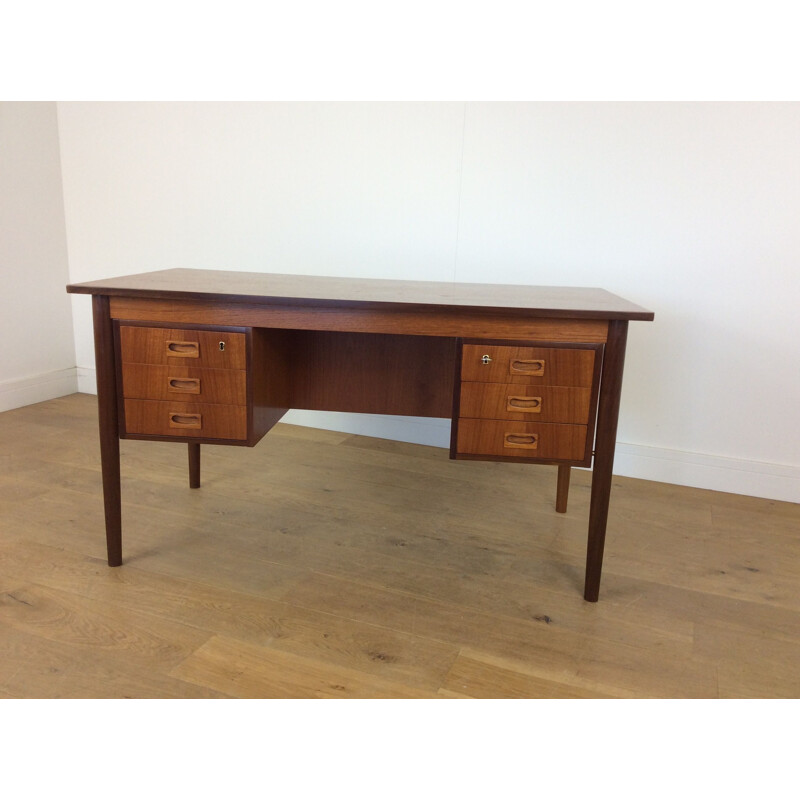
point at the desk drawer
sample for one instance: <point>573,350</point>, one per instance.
<point>525,402</point>
<point>182,347</point>
<point>542,366</point>
<point>170,418</point>
<point>530,440</point>
<point>153,382</point>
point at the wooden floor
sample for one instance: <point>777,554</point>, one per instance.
<point>322,564</point>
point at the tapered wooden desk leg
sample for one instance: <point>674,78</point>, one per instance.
<point>194,465</point>
<point>562,490</point>
<point>607,416</point>
<point>109,425</point>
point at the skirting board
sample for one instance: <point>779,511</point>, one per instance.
<point>87,380</point>
<point>720,474</point>
<point>19,392</point>
<point>734,475</point>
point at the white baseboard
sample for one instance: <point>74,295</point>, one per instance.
<point>735,475</point>
<point>19,392</point>
<point>417,430</point>
<point>684,468</point>
<point>87,380</point>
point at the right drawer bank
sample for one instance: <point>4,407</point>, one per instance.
<point>526,402</point>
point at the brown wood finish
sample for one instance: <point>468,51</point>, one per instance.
<point>509,459</point>
<point>516,401</point>
<point>136,323</point>
<point>522,404</point>
<point>168,417</point>
<point>560,366</point>
<point>531,401</point>
<point>447,322</point>
<point>183,385</point>
<point>163,382</point>
<point>525,441</point>
<point>562,488</point>
<point>290,326</point>
<point>182,347</point>
<point>185,420</point>
<point>268,400</point>
<point>106,372</point>
<point>531,367</point>
<point>607,416</point>
<point>488,437</point>
<point>372,373</point>
<point>178,438</point>
<point>222,287</point>
<point>194,465</point>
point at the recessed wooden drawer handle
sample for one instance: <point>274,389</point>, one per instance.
<point>524,405</point>
<point>530,441</point>
<point>532,367</point>
<point>187,385</point>
<point>183,349</point>
<point>185,421</point>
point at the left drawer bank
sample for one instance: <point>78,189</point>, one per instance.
<point>184,383</point>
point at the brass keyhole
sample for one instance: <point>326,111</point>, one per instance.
<point>486,359</point>
<point>222,345</point>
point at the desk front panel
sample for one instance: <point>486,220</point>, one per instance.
<point>516,400</point>
<point>447,322</point>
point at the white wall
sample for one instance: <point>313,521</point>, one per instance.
<point>37,353</point>
<point>688,209</point>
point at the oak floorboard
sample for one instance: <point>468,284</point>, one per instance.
<point>75,620</point>
<point>757,679</point>
<point>372,649</point>
<point>245,670</point>
<point>768,665</point>
<point>552,652</point>
<point>472,677</point>
<point>49,669</point>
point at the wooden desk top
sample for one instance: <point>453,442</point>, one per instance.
<point>312,290</point>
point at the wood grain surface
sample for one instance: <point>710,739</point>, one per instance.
<point>364,293</point>
<point>211,349</point>
<point>171,418</point>
<point>400,320</point>
<point>377,373</point>
<point>495,437</point>
<point>525,403</point>
<point>560,366</point>
<point>154,382</point>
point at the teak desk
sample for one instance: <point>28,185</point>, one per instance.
<point>526,374</point>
